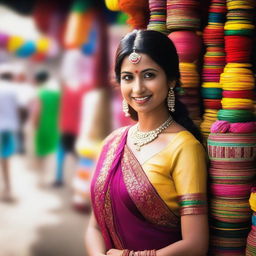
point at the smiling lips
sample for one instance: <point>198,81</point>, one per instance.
<point>141,100</point>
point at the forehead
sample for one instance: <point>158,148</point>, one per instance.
<point>145,63</point>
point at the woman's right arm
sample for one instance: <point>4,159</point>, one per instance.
<point>93,239</point>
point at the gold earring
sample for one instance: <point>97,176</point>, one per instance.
<point>125,108</point>
<point>171,100</point>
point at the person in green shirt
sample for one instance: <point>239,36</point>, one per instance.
<point>45,116</point>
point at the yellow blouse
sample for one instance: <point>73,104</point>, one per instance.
<point>179,174</point>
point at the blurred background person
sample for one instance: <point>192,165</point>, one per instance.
<point>70,107</point>
<point>26,93</point>
<point>45,116</point>
<point>75,83</point>
<point>9,126</point>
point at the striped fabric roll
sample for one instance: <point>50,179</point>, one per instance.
<point>230,176</point>
<point>230,191</point>
<point>237,103</point>
<point>235,147</point>
<point>232,172</point>
<point>183,14</point>
<point>235,115</point>
<point>251,242</point>
<point>157,19</point>
<point>214,60</point>
<point>230,213</point>
<point>189,75</point>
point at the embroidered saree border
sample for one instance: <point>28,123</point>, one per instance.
<point>191,204</point>
<point>110,221</point>
<point>102,203</point>
<point>144,195</point>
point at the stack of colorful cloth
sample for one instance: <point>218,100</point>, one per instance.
<point>183,14</point>
<point>232,142</point>
<point>157,19</point>
<point>232,173</point>
<point>251,240</point>
<point>190,83</point>
<point>214,62</point>
<point>238,79</point>
<point>184,21</point>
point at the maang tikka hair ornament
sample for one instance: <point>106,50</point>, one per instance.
<point>171,100</point>
<point>134,57</point>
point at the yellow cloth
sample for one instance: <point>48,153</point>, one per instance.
<point>178,170</point>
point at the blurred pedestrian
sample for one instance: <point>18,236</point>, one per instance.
<point>70,118</point>
<point>45,116</point>
<point>9,126</point>
<point>26,93</point>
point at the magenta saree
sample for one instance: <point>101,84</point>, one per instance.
<point>129,212</point>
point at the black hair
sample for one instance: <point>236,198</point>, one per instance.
<point>41,76</point>
<point>161,50</point>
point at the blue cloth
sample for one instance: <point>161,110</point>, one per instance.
<point>8,144</point>
<point>61,153</point>
<point>254,220</point>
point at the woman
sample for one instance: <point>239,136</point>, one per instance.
<point>149,187</point>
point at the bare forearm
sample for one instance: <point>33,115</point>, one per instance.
<point>94,242</point>
<point>195,238</point>
<point>182,248</point>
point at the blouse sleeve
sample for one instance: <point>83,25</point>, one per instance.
<point>190,178</point>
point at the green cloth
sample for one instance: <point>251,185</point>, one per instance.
<point>47,133</point>
<point>121,18</point>
<point>81,5</point>
<point>211,93</point>
<point>239,32</point>
<point>235,115</point>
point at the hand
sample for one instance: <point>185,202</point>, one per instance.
<point>115,252</point>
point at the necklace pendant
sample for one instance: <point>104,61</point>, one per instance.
<point>142,138</point>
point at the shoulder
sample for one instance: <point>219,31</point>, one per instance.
<point>186,138</point>
<point>186,142</point>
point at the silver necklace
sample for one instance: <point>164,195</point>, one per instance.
<point>142,138</point>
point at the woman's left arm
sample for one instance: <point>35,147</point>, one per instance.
<point>195,238</point>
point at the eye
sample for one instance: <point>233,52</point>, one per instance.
<point>127,77</point>
<point>149,75</point>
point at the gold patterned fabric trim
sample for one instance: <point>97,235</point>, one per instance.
<point>144,195</point>
<point>112,145</point>
<point>193,204</point>
<point>110,222</point>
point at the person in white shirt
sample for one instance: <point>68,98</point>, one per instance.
<point>9,126</point>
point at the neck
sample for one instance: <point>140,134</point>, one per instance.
<point>148,122</point>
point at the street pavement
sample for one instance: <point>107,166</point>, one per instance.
<point>41,220</point>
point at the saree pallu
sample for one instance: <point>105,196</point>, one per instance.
<point>130,213</point>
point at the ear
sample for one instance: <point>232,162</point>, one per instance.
<point>172,84</point>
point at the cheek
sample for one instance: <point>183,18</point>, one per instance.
<point>124,90</point>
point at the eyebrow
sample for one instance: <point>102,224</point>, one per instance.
<point>143,71</point>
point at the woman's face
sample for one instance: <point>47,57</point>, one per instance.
<point>144,85</point>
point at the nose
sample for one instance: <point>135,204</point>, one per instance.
<point>138,86</point>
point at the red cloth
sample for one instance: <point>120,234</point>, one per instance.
<point>238,94</point>
<point>70,109</point>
